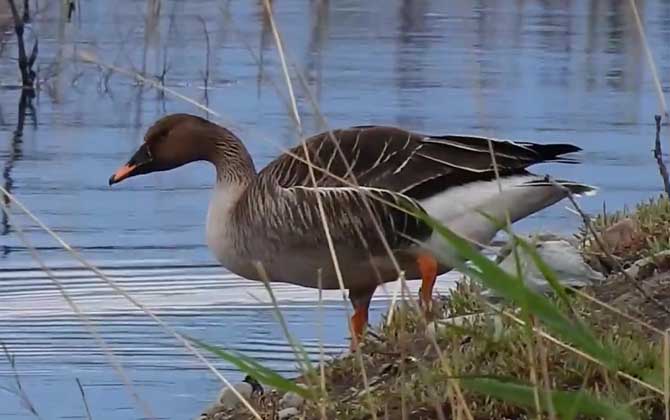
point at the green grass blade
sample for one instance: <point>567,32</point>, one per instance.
<point>565,403</point>
<point>251,367</point>
<point>551,277</point>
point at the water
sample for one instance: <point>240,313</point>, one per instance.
<point>534,70</point>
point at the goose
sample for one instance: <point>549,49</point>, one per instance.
<point>365,176</point>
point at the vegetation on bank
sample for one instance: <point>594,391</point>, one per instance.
<point>597,352</point>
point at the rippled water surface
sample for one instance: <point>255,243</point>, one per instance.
<point>534,70</point>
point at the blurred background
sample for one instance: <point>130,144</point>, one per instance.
<point>543,71</point>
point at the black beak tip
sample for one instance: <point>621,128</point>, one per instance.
<point>112,180</point>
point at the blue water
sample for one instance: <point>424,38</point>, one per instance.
<point>543,71</point>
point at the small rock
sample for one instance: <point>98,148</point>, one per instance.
<point>228,399</point>
<point>291,399</point>
<point>645,267</point>
<point>287,413</point>
<point>213,412</point>
<point>620,235</point>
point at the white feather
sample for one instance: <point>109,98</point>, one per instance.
<point>456,201</point>
<point>477,210</point>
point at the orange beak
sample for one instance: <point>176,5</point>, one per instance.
<point>122,173</point>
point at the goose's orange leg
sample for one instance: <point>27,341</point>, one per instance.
<point>428,268</point>
<point>359,320</point>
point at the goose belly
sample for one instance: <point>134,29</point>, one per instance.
<point>314,267</point>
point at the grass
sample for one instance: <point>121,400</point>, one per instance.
<point>487,347</point>
<point>519,359</point>
<point>491,347</point>
<point>650,221</point>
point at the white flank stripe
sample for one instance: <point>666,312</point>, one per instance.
<point>445,163</point>
<point>449,143</point>
<point>409,158</point>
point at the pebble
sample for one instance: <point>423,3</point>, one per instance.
<point>287,413</point>
<point>228,399</point>
<point>291,399</point>
<point>620,235</point>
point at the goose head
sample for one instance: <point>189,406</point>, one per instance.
<point>178,139</point>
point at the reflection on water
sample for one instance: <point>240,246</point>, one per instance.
<point>25,107</point>
<point>538,70</point>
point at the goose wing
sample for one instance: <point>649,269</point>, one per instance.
<point>399,166</point>
<point>410,163</point>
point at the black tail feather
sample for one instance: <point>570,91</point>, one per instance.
<point>555,151</point>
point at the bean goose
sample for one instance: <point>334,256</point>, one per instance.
<point>364,176</point>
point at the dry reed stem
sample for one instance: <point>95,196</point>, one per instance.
<point>322,354</point>
<point>533,376</point>
<point>88,324</point>
<point>207,55</point>
<point>280,50</point>
<point>544,365</point>
<point>304,363</point>
<point>91,58</point>
<point>87,410</point>
<point>293,108</point>
<point>437,406</point>
<point>322,120</point>
<point>322,212</point>
<point>385,243</point>
<point>257,61</point>
<point>401,276</point>
<point>355,184</point>
<point>207,58</point>
<point>20,392</point>
<point>510,232</point>
<point>451,378</point>
<point>403,350</point>
<point>171,331</point>
<point>650,58</point>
